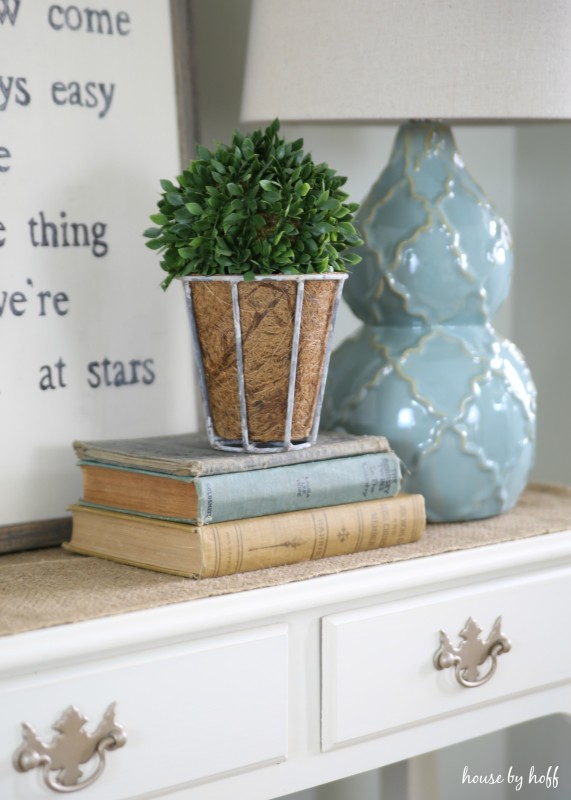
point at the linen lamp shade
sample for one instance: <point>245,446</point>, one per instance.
<point>381,60</point>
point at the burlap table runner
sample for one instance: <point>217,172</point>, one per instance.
<point>42,588</point>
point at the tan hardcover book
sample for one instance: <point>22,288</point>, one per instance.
<point>248,544</point>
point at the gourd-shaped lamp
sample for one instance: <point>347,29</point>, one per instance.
<point>427,368</point>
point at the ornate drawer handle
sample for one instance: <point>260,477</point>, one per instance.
<point>69,748</point>
<point>472,653</point>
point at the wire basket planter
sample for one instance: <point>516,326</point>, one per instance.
<point>262,351</point>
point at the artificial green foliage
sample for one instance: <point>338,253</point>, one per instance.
<point>259,206</point>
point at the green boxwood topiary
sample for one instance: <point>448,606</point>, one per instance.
<point>259,206</point>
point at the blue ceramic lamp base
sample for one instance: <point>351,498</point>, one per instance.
<point>427,369</point>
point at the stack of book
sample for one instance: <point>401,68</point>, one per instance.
<point>173,504</point>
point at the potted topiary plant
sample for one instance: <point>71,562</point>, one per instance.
<point>260,236</point>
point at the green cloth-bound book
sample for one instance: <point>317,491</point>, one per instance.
<point>237,495</point>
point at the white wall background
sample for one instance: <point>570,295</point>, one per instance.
<point>542,293</point>
<point>526,172</point>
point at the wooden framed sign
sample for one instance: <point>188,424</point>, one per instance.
<point>92,117</point>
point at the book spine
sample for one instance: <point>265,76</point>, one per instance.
<point>252,544</point>
<point>277,490</point>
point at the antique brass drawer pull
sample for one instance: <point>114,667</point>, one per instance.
<point>472,653</point>
<point>70,747</point>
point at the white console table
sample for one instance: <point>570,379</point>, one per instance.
<point>266,692</point>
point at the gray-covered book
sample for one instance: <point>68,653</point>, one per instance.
<point>190,454</point>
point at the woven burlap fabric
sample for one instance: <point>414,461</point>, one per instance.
<point>42,588</point>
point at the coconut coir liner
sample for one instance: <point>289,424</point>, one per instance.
<point>267,310</point>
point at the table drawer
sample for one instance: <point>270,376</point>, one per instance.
<point>378,670</point>
<point>189,711</point>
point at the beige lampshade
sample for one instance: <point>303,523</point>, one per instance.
<point>373,60</point>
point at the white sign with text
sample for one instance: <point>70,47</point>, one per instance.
<point>90,345</point>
